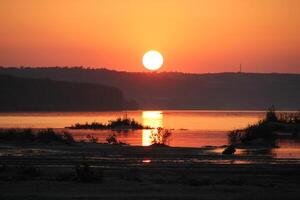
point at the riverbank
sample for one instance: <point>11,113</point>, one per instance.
<point>93,171</point>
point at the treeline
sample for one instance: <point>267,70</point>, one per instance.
<point>170,90</point>
<point>23,94</point>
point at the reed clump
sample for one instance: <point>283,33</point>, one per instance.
<point>160,137</point>
<point>124,123</point>
<point>40,136</point>
<point>268,129</point>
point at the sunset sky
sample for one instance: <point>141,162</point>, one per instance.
<point>193,35</point>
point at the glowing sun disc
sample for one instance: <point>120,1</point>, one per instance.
<point>152,60</point>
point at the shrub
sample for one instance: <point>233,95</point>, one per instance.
<point>48,135</point>
<point>261,130</point>
<point>25,135</point>
<point>264,129</point>
<point>271,115</point>
<point>93,125</point>
<point>41,136</point>
<point>118,124</point>
<point>112,139</point>
<point>229,150</point>
<point>68,138</point>
<point>92,138</point>
<point>160,137</point>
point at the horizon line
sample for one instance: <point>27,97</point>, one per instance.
<point>148,72</point>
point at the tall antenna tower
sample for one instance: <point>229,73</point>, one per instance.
<point>240,68</point>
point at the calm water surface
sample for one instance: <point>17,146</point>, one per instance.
<point>192,120</point>
<point>189,128</point>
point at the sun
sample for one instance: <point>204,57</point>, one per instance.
<point>153,60</point>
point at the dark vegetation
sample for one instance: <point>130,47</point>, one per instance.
<point>91,138</point>
<point>48,136</point>
<point>81,172</point>
<point>266,131</point>
<point>160,137</point>
<point>118,124</point>
<point>23,94</point>
<point>113,139</point>
<point>229,150</point>
<point>45,136</point>
<point>184,91</point>
<point>118,173</point>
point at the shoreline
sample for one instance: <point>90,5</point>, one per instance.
<point>93,171</point>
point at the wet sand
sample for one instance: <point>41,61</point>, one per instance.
<point>128,172</point>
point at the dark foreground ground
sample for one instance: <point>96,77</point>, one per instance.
<point>95,171</point>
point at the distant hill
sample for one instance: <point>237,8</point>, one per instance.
<point>23,94</point>
<point>185,91</point>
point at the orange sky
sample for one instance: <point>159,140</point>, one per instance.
<point>193,35</point>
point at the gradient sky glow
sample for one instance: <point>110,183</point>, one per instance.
<point>193,35</point>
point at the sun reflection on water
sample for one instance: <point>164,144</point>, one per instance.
<point>153,119</point>
<point>146,161</point>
